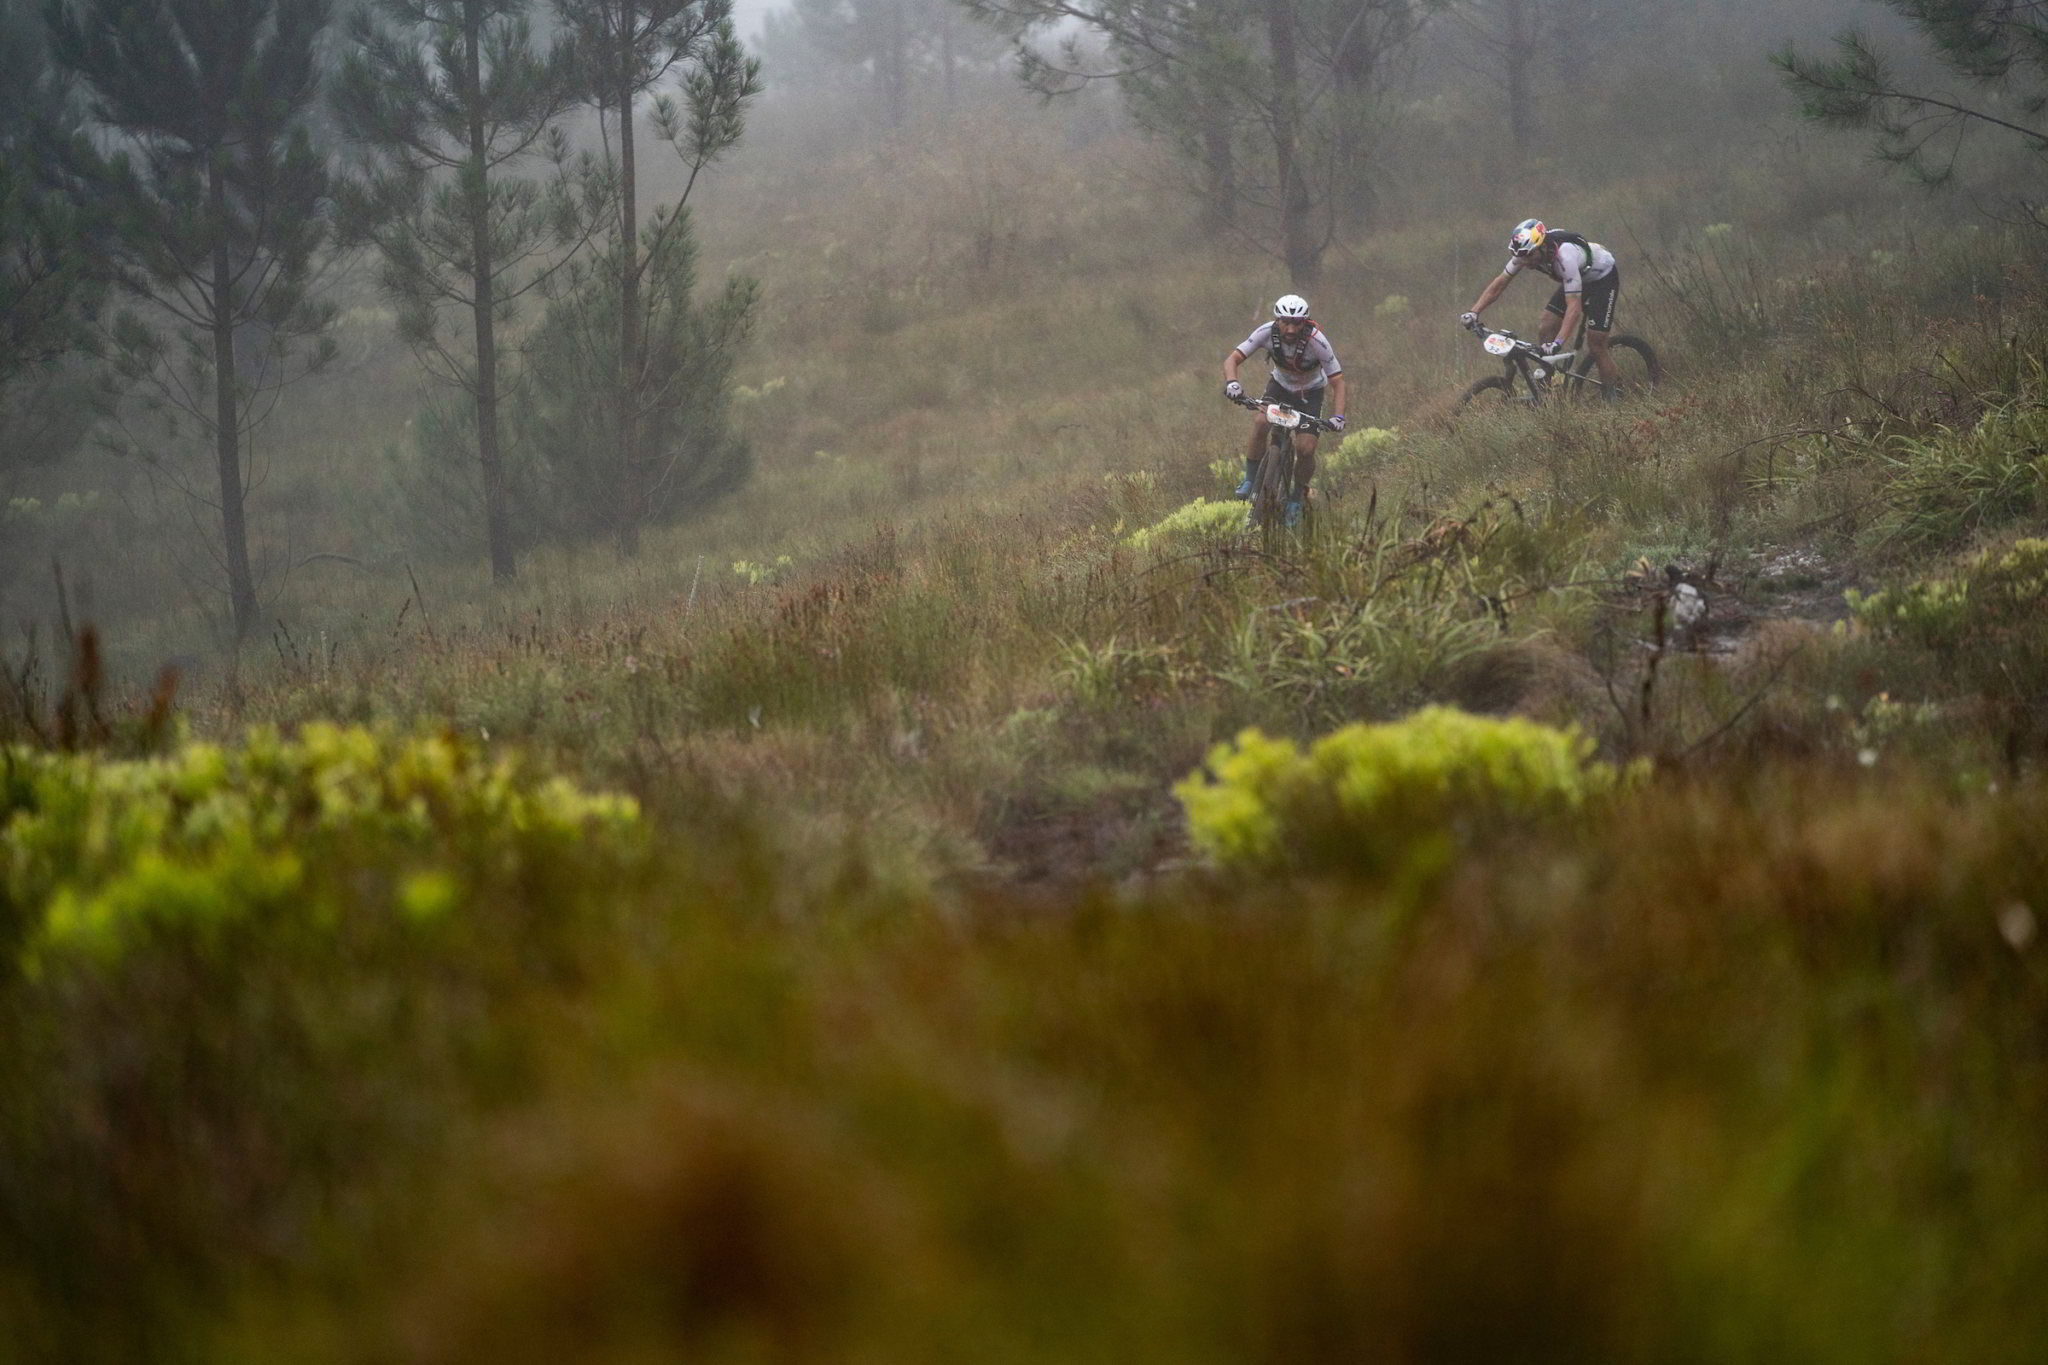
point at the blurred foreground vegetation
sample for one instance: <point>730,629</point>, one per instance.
<point>1741,1066</point>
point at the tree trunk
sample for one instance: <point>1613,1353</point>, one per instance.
<point>1299,249</point>
<point>947,58</point>
<point>1355,67</point>
<point>227,417</point>
<point>1215,23</point>
<point>1520,54</point>
<point>1219,168</point>
<point>630,363</point>
<point>476,188</point>
<point>893,64</point>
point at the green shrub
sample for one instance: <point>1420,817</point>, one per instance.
<point>1995,593</point>
<point>1190,526</point>
<point>1959,481</point>
<point>96,853</point>
<point>1357,450</point>
<point>1394,801</point>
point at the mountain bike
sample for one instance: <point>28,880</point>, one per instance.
<point>1276,467</point>
<point>1529,376</point>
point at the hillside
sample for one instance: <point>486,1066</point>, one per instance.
<point>957,897</point>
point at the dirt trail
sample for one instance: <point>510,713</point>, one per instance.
<point>1792,584</point>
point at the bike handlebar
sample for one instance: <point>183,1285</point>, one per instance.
<point>1308,419</point>
<point>1554,359</point>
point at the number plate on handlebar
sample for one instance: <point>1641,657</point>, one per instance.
<point>1278,415</point>
<point>1498,343</point>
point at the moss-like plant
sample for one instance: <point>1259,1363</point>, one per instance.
<point>1190,526</point>
<point>1994,592</point>
<point>95,852</point>
<point>1394,801</point>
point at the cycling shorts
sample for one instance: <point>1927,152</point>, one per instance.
<point>1599,298</point>
<point>1309,401</point>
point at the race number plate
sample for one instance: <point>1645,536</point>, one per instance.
<point>1278,416</point>
<point>1499,343</point>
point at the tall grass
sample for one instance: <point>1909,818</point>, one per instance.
<point>1741,1066</point>
<point>911,1033</point>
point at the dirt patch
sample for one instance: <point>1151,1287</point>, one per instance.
<point>1795,585</point>
<point>1127,837</point>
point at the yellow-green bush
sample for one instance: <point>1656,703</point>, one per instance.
<point>1184,527</point>
<point>1394,801</point>
<point>95,851</point>
<point>1358,449</point>
<point>1994,592</point>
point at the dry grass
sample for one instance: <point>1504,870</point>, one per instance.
<point>1750,1069</point>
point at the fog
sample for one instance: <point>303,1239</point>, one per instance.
<point>882,167</point>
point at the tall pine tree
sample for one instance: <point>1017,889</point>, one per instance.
<point>448,100</point>
<point>635,50</point>
<point>197,147</point>
<point>50,284</point>
<point>1277,101</point>
<point>46,275</point>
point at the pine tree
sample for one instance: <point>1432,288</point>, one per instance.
<point>1999,49</point>
<point>630,50</point>
<point>47,284</point>
<point>1276,100</point>
<point>904,56</point>
<point>689,451</point>
<point>197,148</point>
<point>50,287</point>
<point>447,99</point>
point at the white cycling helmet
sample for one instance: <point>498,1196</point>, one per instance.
<point>1290,306</point>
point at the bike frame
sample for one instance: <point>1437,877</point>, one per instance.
<point>1276,467</point>
<point>1522,361</point>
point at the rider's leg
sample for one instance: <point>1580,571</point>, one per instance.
<point>1601,299</point>
<point>1254,449</point>
<point>1596,342</point>
<point>1304,470</point>
<point>1304,461</point>
<point>1552,319</point>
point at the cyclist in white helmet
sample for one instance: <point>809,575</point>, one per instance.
<point>1588,286</point>
<point>1304,366</point>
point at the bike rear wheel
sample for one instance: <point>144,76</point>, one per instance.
<point>1635,366</point>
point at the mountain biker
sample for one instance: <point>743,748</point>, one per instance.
<point>1588,284</point>
<point>1303,366</point>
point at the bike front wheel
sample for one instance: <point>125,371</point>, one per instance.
<point>1276,481</point>
<point>1496,390</point>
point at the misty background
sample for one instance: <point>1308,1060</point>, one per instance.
<point>866,280</point>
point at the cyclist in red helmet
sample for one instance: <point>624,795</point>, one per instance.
<point>1588,286</point>
<point>1304,365</point>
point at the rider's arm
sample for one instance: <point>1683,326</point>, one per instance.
<point>1574,309</point>
<point>1491,292</point>
<point>1230,364</point>
<point>1337,394</point>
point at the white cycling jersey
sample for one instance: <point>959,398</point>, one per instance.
<point>1572,266</point>
<point>1298,366</point>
